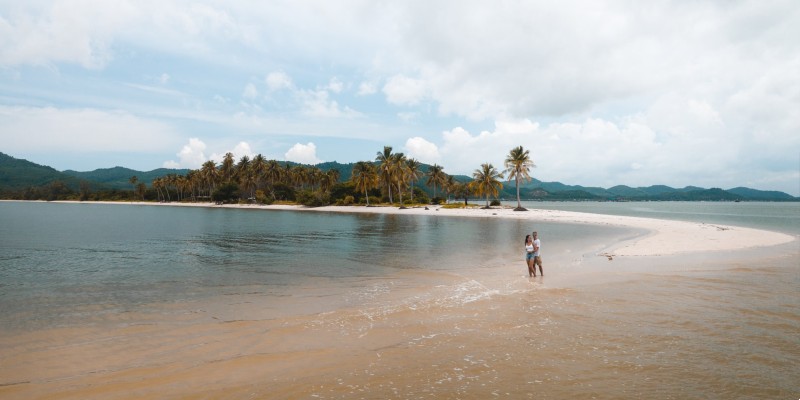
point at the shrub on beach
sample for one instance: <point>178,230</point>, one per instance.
<point>313,199</point>
<point>227,193</point>
<point>262,198</point>
<point>347,201</point>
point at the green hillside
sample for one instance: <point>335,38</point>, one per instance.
<point>17,174</point>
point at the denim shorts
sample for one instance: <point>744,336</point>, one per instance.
<point>528,256</point>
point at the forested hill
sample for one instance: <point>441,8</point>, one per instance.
<point>17,175</point>
<point>119,177</point>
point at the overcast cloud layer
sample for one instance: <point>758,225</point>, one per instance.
<point>602,93</point>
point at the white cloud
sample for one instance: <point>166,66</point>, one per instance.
<point>335,85</point>
<point>303,154</point>
<point>48,129</point>
<point>367,88</point>
<point>278,81</point>
<point>317,103</point>
<point>164,78</point>
<point>402,90</point>
<point>240,150</point>
<point>423,150</point>
<point>192,155</point>
<point>250,92</point>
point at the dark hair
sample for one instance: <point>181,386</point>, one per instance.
<point>526,238</point>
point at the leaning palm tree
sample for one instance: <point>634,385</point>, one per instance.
<point>364,177</point>
<point>486,180</point>
<point>518,166</point>
<point>384,160</point>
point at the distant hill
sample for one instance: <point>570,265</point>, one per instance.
<point>17,175</point>
<point>769,195</point>
<point>119,177</point>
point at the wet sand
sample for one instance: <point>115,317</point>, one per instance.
<point>715,318</point>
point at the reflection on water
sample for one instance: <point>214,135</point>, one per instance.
<point>136,302</point>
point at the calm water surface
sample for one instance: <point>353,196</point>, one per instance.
<point>179,302</point>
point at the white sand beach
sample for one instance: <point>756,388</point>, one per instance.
<point>666,237</point>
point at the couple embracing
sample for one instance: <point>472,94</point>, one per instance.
<point>532,254</point>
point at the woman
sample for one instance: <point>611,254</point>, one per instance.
<point>529,255</point>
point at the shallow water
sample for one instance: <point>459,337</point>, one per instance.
<point>131,302</point>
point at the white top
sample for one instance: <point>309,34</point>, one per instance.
<point>529,248</point>
<point>538,245</point>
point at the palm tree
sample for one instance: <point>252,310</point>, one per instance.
<point>435,176</point>
<point>399,174</point>
<point>486,181</point>
<point>328,179</point>
<point>273,171</point>
<point>259,167</point>
<point>133,180</point>
<point>241,168</point>
<point>385,168</point>
<point>364,177</point>
<point>209,175</point>
<point>414,173</point>
<point>141,189</point>
<point>194,182</point>
<point>247,182</point>
<point>449,185</point>
<point>518,166</point>
<point>227,168</point>
<point>461,190</point>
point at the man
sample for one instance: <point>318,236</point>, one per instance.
<point>537,256</point>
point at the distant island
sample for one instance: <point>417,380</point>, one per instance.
<point>267,181</point>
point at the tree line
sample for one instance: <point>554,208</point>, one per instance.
<point>391,178</point>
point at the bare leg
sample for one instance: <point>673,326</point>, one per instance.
<point>538,261</point>
<point>531,268</point>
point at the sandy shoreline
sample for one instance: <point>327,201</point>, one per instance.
<point>665,237</point>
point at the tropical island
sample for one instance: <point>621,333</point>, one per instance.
<point>391,179</point>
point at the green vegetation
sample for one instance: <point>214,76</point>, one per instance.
<point>391,179</point>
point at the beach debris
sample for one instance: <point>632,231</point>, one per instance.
<point>609,256</point>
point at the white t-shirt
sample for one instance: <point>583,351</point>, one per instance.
<point>529,248</point>
<point>537,244</point>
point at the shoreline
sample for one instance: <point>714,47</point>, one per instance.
<point>664,237</point>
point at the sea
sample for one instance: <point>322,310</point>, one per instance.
<point>146,301</point>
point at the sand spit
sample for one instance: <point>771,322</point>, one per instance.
<point>666,237</point>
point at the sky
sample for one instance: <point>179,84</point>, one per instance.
<point>602,93</point>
